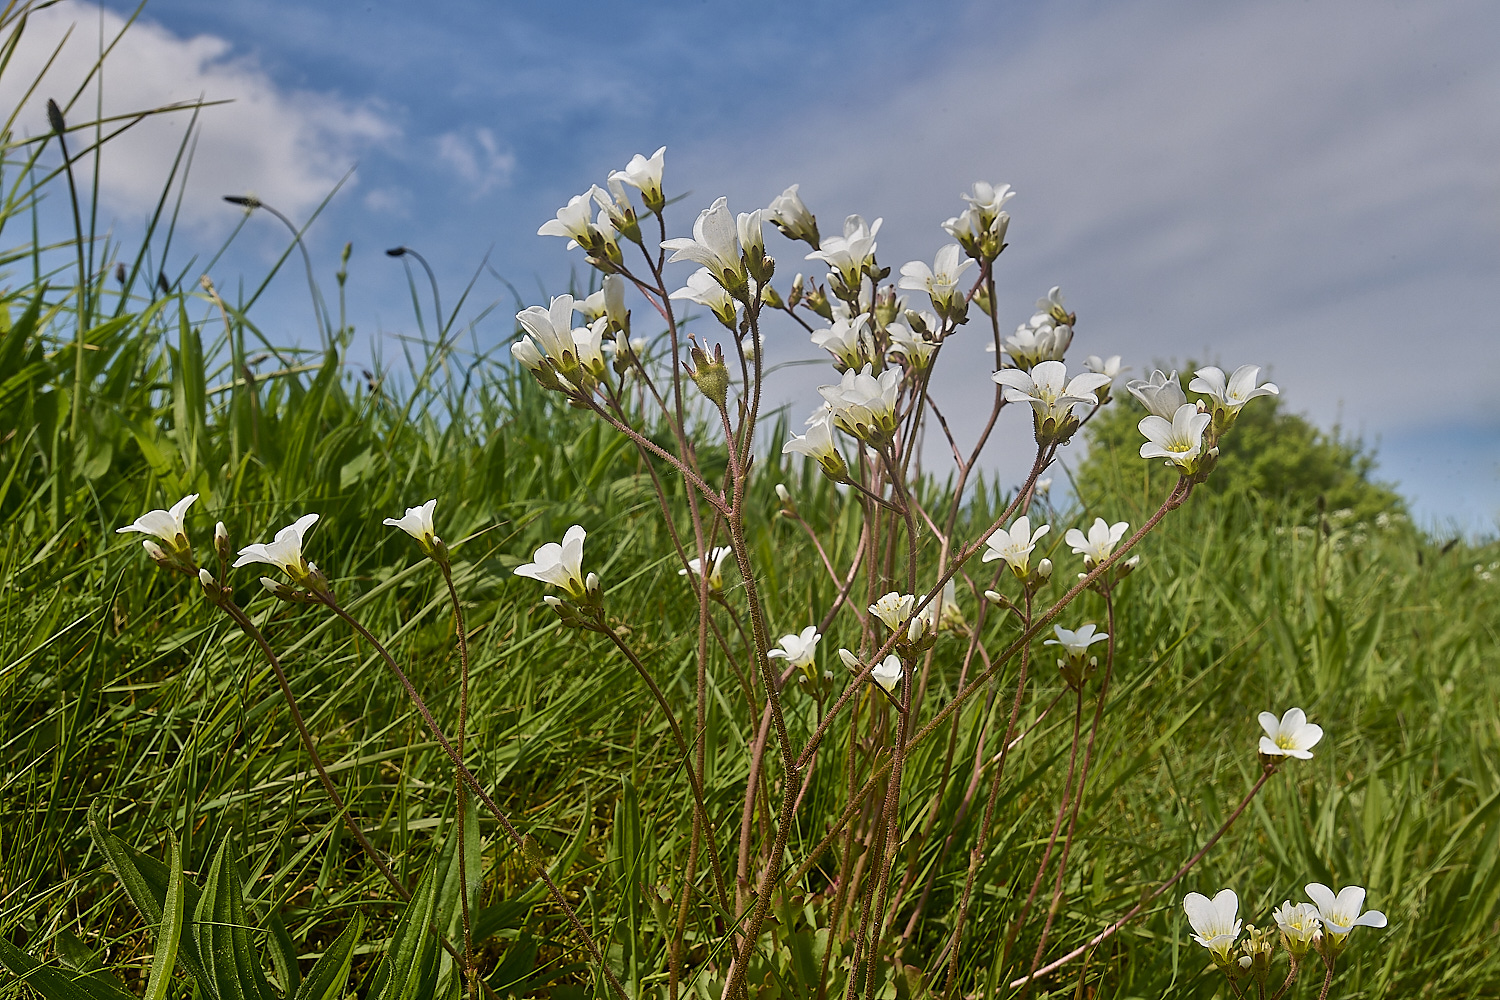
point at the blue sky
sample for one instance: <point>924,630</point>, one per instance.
<point>1311,187</point>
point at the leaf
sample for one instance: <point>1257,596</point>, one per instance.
<point>146,881</point>
<point>224,938</point>
<point>55,984</point>
<point>410,968</point>
<point>330,974</point>
<point>169,931</point>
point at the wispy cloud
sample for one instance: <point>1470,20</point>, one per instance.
<point>289,147</point>
<point>477,158</point>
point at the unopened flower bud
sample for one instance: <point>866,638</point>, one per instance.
<point>592,587</point>
<point>886,307</point>
<point>1044,569</point>
<point>221,541</point>
<point>709,372</point>
<point>278,589</point>
<point>155,552</point>
<point>795,294</point>
<point>209,584</point>
<point>771,297</point>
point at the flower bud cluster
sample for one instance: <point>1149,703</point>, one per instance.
<point>980,228</point>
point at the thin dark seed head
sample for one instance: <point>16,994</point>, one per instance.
<point>396,252</point>
<point>55,117</point>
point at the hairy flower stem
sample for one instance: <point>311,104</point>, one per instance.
<point>694,779</point>
<point>1327,979</point>
<point>1062,813</point>
<point>484,796</point>
<point>849,692</point>
<point>1291,977</point>
<point>245,625</point>
<point>892,838</point>
<point>1083,777</point>
<point>462,793</point>
<point>1137,909</point>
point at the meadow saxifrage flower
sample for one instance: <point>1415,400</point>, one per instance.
<point>1215,921</point>
<point>1178,440</point>
<point>1015,545</point>
<point>168,525</point>
<point>1100,542</point>
<point>847,254</point>
<point>644,174</point>
<point>864,404</point>
<point>798,650</point>
<point>1231,394</point>
<point>848,340</point>
<point>887,672</point>
<point>714,245</point>
<point>818,444</point>
<point>560,564</point>
<point>1299,925</point>
<point>940,281</point>
<point>788,214</point>
<point>716,557</point>
<point>1289,736</point>
<point>1340,913</point>
<point>1161,394</point>
<point>417,522</point>
<point>1076,642</point>
<point>284,551</point>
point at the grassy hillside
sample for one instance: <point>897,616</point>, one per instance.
<point>121,693</point>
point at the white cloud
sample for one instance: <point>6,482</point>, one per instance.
<point>1305,186</point>
<point>477,159</point>
<point>288,147</point>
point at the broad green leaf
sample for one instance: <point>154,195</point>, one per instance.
<point>330,974</point>
<point>169,932</point>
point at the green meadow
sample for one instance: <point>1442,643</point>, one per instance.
<point>132,716</point>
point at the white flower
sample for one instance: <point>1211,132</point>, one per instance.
<point>1215,921</point>
<point>590,308</point>
<point>940,281</point>
<point>164,524</point>
<point>798,650</point>
<point>714,245</point>
<point>1015,544</point>
<point>1076,643</point>
<point>893,609</point>
<point>1340,914</point>
<point>1037,341</point>
<point>703,288</point>
<point>818,444</point>
<point>1046,388</point>
<point>716,557</point>
<point>614,303</point>
<point>645,176</point>
<point>572,221</point>
<point>417,522</point>
<point>1290,736</point>
<point>616,205</point>
<point>788,214</point>
<point>988,199</point>
<point>749,226</point>
<point>864,404</point>
<point>588,342</point>
<point>559,565</point>
<point>284,551</point>
<point>1104,366</point>
<point>553,330</point>
<point>1179,440</point>
<point>847,254</point>
<point>1241,387</point>
<point>1299,924</point>
<point>887,672</point>
<point>1043,486</point>
<point>1101,541</point>
<point>948,614</point>
<point>847,340</point>
<point>1161,394</point>
<point>526,352</point>
<point>913,349</point>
